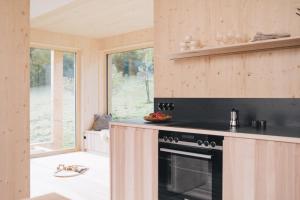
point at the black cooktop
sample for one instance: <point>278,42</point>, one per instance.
<point>201,125</point>
<point>270,130</point>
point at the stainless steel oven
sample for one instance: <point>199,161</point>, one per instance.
<point>190,166</point>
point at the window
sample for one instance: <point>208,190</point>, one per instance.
<point>130,83</point>
<point>40,96</point>
<point>52,100</point>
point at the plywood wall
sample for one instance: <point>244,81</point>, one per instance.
<point>14,101</point>
<point>127,40</point>
<point>263,74</point>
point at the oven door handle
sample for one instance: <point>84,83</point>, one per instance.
<point>186,153</point>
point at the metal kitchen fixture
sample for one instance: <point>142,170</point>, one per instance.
<point>190,166</point>
<point>234,118</point>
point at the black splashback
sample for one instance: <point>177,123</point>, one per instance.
<point>277,111</point>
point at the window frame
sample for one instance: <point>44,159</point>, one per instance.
<point>108,70</point>
<point>78,138</point>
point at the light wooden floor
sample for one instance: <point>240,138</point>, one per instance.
<point>93,185</point>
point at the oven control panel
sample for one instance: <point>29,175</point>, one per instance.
<point>190,139</point>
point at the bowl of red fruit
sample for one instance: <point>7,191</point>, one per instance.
<point>157,117</point>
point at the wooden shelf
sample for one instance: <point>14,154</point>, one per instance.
<point>240,48</point>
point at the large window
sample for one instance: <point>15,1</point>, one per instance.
<point>130,83</point>
<point>40,96</point>
<point>52,100</point>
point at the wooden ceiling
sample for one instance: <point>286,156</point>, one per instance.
<point>40,7</point>
<point>93,18</point>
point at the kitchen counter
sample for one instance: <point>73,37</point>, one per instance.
<point>280,134</point>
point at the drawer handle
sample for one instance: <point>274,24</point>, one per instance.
<point>186,153</point>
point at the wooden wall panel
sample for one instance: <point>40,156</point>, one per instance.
<point>127,40</point>
<point>14,100</point>
<point>271,73</point>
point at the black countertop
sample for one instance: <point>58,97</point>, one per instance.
<point>293,132</point>
<point>269,130</point>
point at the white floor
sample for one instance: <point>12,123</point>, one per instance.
<point>93,185</point>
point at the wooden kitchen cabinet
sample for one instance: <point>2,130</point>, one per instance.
<point>134,163</point>
<point>260,170</point>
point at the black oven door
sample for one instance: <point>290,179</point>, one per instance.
<point>189,173</point>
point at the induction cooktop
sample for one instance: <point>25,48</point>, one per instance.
<point>270,130</point>
<point>201,125</point>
